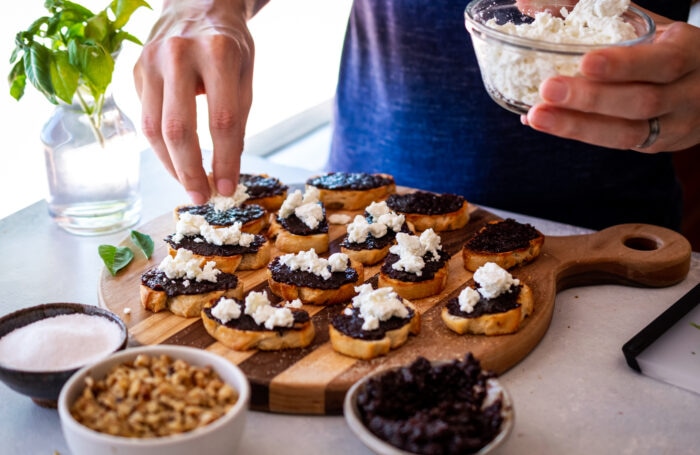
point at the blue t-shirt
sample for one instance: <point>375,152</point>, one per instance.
<point>410,102</point>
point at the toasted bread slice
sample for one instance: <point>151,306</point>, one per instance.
<point>369,349</point>
<point>316,296</point>
<point>413,290</point>
<point>352,190</point>
<point>288,242</point>
<point>254,218</point>
<point>266,191</point>
<point>230,263</point>
<point>299,336</point>
<point>507,243</point>
<point>185,305</point>
<point>366,256</point>
<point>492,323</point>
<point>425,210</point>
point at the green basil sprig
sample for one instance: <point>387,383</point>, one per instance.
<point>70,53</point>
<point>116,258</point>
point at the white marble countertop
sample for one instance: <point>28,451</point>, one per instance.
<point>573,394</point>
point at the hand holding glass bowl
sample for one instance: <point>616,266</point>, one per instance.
<point>513,67</point>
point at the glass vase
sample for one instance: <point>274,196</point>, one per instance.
<point>93,178</point>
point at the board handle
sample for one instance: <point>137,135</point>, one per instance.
<point>629,254</point>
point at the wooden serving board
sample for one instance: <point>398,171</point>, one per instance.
<point>314,380</point>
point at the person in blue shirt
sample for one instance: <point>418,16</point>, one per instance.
<point>410,102</point>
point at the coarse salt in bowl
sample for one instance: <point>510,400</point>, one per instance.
<point>517,52</point>
<point>43,345</point>
<point>219,436</point>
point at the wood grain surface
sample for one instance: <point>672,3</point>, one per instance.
<point>314,380</point>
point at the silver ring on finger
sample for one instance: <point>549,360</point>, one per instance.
<point>654,132</point>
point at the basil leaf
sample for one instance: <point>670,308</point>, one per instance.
<point>115,258</point>
<point>37,61</point>
<point>64,77</point>
<point>697,326</point>
<point>18,80</point>
<point>123,9</point>
<point>144,242</point>
<point>89,40</point>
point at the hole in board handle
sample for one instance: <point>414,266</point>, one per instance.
<point>641,244</point>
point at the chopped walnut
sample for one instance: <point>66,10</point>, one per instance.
<point>152,397</point>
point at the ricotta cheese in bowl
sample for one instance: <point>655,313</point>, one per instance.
<point>516,52</point>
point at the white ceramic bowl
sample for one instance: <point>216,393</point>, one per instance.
<point>513,67</point>
<point>217,438</point>
<point>377,445</point>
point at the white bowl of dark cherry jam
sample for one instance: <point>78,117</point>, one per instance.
<point>446,407</point>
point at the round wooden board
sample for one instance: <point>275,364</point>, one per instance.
<point>314,380</point>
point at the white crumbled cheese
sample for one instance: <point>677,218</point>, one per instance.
<point>223,203</point>
<point>189,225</point>
<point>494,280</point>
<point>468,299</point>
<point>516,74</point>
<point>412,248</point>
<point>382,218</point>
<point>127,310</point>
<point>338,262</point>
<point>376,305</point>
<point>258,306</point>
<point>185,265</point>
<point>306,207</point>
<point>309,261</point>
<point>310,214</point>
<point>226,309</point>
<point>296,303</point>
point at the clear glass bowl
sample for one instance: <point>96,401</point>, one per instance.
<point>513,67</point>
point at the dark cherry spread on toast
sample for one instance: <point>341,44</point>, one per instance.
<point>259,186</point>
<point>246,322</point>
<point>349,181</point>
<point>243,213</point>
<point>198,245</point>
<point>425,203</point>
<point>503,236</point>
<point>158,281</point>
<point>432,409</point>
<point>504,302</point>
<point>351,325</point>
<point>431,267</point>
<point>297,227</point>
<point>283,274</point>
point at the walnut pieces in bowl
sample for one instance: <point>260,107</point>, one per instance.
<point>451,407</point>
<point>155,399</point>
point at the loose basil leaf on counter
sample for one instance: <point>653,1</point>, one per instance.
<point>115,258</point>
<point>144,242</point>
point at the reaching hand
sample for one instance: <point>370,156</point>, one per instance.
<point>197,47</point>
<point>625,93</point>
